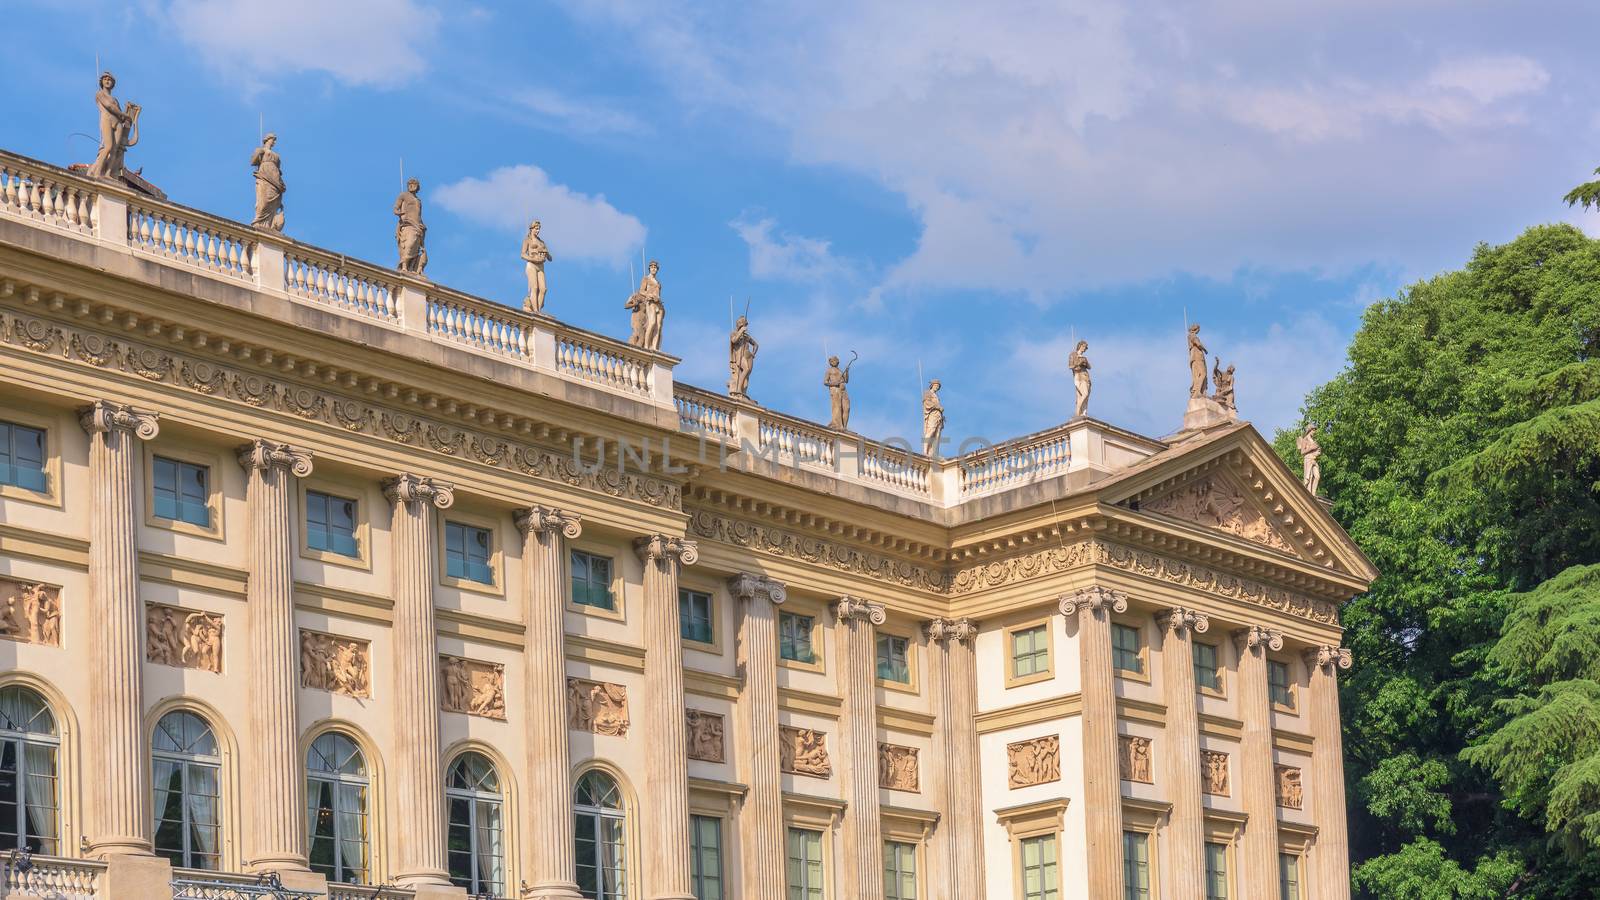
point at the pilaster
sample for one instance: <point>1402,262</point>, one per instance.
<point>1092,608</point>
<point>667,773</point>
<point>1258,848</point>
<point>1180,755</point>
<point>956,849</point>
<point>761,833</point>
<point>1332,851</point>
<point>862,846</point>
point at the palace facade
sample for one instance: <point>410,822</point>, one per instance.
<point>319,577</point>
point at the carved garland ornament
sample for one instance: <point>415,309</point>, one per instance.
<point>183,638</point>
<point>1035,761</point>
<point>472,687</point>
<point>32,612</point>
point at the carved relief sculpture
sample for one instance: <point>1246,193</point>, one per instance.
<point>1078,363</point>
<point>1035,761</point>
<point>119,130</point>
<point>898,768</point>
<point>1133,758</point>
<point>597,706</point>
<point>1210,502</point>
<point>803,751</point>
<point>1290,793</point>
<point>534,255</point>
<point>704,732</point>
<point>741,359</point>
<point>269,185</point>
<point>645,303</point>
<point>472,687</point>
<point>183,638</point>
<point>409,231</point>
<point>1310,458</point>
<point>932,419</point>
<point>1214,772</point>
<point>32,612</point>
<point>335,664</point>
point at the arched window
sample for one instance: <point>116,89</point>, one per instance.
<point>29,788</point>
<point>337,809</point>
<point>187,770</point>
<point>476,843</point>
<point>600,837</point>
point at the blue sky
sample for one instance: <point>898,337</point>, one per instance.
<point>961,187</point>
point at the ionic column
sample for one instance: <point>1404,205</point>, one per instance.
<point>1258,848</point>
<point>418,776</point>
<point>956,851</point>
<point>761,836</point>
<point>667,773</point>
<point>863,829</point>
<point>545,532</point>
<point>1180,756</point>
<point>118,801</point>
<point>277,829</point>
<point>1327,773</point>
<point>1102,781</point>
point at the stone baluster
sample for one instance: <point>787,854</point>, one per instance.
<point>863,829</point>
<point>1180,755</point>
<point>418,775</point>
<point>1092,608</point>
<point>956,850</point>
<point>118,800</point>
<point>277,830</point>
<point>545,532</point>
<point>761,832</point>
<point>1327,773</point>
<point>1258,848</point>
<point>667,772</point>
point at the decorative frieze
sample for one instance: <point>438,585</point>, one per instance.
<point>1291,794</point>
<point>183,638</point>
<point>704,732</point>
<point>597,706</point>
<point>1214,772</point>
<point>335,664</point>
<point>898,768</point>
<point>803,751</point>
<point>817,551</point>
<point>472,687</point>
<point>1211,503</point>
<point>1133,759</point>
<point>1034,761</point>
<point>32,612</point>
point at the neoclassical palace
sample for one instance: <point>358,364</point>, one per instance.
<point>321,579</point>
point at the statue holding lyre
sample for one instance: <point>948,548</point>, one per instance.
<point>119,130</point>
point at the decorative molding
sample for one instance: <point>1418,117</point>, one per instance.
<point>1133,759</point>
<point>704,732</point>
<point>847,608</point>
<point>943,630</point>
<point>335,664</point>
<point>472,687</point>
<point>803,751</point>
<point>1327,657</point>
<point>1094,599</point>
<point>548,520</point>
<point>32,612</point>
<point>183,638</point>
<point>661,546</point>
<point>1291,793</point>
<point>1214,772</point>
<point>597,706</point>
<point>264,454</point>
<point>817,551</point>
<point>1211,503</point>
<point>1034,712</point>
<point>1256,637</point>
<point>408,488</point>
<point>1034,761</point>
<point>1050,560</point>
<point>1179,620</point>
<point>747,586</point>
<point>1028,819</point>
<point>103,416</point>
<point>898,768</point>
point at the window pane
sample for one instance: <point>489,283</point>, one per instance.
<point>1125,649</point>
<point>22,457</point>
<point>1216,871</point>
<point>1136,865</point>
<point>591,580</point>
<point>794,637</point>
<point>706,857</point>
<point>1289,876</point>
<point>1030,652</point>
<point>892,659</point>
<point>1206,674</point>
<point>694,616</point>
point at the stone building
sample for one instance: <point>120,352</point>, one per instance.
<point>315,568</point>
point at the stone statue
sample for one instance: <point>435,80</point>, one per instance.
<point>269,185</point>
<point>1310,458</point>
<point>1035,761</point>
<point>119,130</point>
<point>1215,766</point>
<point>803,751</point>
<point>1078,363</point>
<point>837,381</point>
<point>1197,364</point>
<point>1222,380</point>
<point>409,231</point>
<point>932,419</point>
<point>647,310</point>
<point>535,254</point>
<point>741,359</point>
<point>703,732</point>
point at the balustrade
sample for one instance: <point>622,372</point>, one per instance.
<point>326,280</point>
<point>478,324</point>
<point>34,193</point>
<point>172,235</point>
<point>798,440</point>
<point>53,877</point>
<point>702,412</point>
<point>593,361</point>
<point>1015,462</point>
<point>896,468</point>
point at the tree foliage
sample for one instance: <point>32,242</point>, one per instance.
<point>1586,195</point>
<point>1462,452</point>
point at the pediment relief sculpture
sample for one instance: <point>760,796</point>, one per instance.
<point>1214,503</point>
<point>1133,759</point>
<point>1035,761</point>
<point>472,687</point>
<point>898,768</point>
<point>597,706</point>
<point>1214,772</point>
<point>803,751</point>
<point>32,612</point>
<point>183,638</point>
<point>1291,794</point>
<point>704,735</point>
<point>335,664</point>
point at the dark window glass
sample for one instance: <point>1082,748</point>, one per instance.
<point>182,491</point>
<point>331,524</point>
<point>591,580</point>
<point>694,616</point>
<point>794,637</point>
<point>893,662</point>
<point>1206,673</point>
<point>1125,649</point>
<point>22,457</point>
<point>467,552</point>
<point>1278,682</point>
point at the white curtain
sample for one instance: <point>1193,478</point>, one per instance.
<point>39,761</point>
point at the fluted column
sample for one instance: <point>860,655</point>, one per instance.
<point>1327,773</point>
<point>761,837</point>
<point>545,532</point>
<point>863,829</point>
<point>118,800</point>
<point>956,850</point>
<point>1180,756</point>
<point>418,779</point>
<point>667,771</point>
<point>1258,848</point>
<point>1102,781</point>
<point>277,830</point>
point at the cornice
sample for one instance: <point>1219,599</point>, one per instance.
<point>720,501</point>
<point>833,554</point>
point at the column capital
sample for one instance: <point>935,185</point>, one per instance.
<point>1179,620</point>
<point>265,454</point>
<point>748,586</point>
<point>1093,599</point>
<point>943,630</point>
<point>660,546</point>
<point>409,488</point>
<point>848,607</point>
<point>1256,637</point>
<point>1326,657</point>
<point>548,520</point>
<point>103,416</point>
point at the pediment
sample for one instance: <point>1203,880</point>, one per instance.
<point>1217,500</point>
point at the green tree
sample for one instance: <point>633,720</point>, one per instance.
<point>1586,195</point>
<point>1462,452</point>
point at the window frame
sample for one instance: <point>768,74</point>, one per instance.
<point>474,797</point>
<point>806,890</point>
<point>698,878</point>
<point>185,761</point>
<point>619,600</point>
<point>495,586</point>
<point>623,814</point>
<point>1221,690</point>
<point>1027,822</point>
<point>1145,840</point>
<point>893,633</point>
<point>1139,630</point>
<point>1144,817</point>
<point>51,740</point>
<point>713,612</point>
<point>1049,671</point>
<point>362,525</point>
<point>818,638</point>
<point>1291,686</point>
<point>1223,826</point>
<point>1287,859</point>
<point>51,468</point>
<point>212,463</point>
<point>890,843</point>
<point>1226,872</point>
<point>370,811</point>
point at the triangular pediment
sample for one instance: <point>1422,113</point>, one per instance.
<point>1217,500</point>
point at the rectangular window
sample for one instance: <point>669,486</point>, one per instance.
<point>1216,871</point>
<point>182,491</point>
<point>331,524</point>
<point>805,872</point>
<point>591,581</point>
<point>1030,651</point>
<point>1289,876</point>
<point>468,550</point>
<point>705,870</point>
<point>1278,683</point>
<point>1125,649</point>
<point>1206,673</point>
<point>893,660</point>
<point>899,871</point>
<point>794,637</point>
<point>1040,880</point>
<point>694,616</point>
<point>22,457</point>
<point>1135,865</point>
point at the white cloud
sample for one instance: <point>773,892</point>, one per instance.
<point>380,43</point>
<point>576,226</point>
<point>1490,78</point>
<point>783,256</point>
<point>563,113</point>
